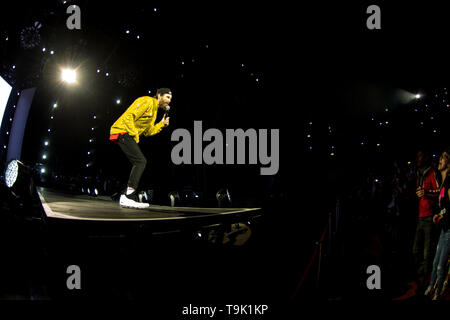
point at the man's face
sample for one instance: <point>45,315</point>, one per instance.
<point>422,159</point>
<point>443,161</point>
<point>164,100</point>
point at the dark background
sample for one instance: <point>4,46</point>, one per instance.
<point>315,63</point>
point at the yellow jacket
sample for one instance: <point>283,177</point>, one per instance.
<point>139,119</point>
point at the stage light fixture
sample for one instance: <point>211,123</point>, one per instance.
<point>69,76</point>
<point>418,96</point>
<point>223,198</point>
<point>19,178</point>
<point>174,196</point>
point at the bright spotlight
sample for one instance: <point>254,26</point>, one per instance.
<point>69,76</point>
<point>418,96</point>
<point>18,178</point>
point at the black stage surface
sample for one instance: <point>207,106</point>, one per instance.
<point>83,207</point>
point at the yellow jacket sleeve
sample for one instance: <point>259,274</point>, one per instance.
<point>152,130</point>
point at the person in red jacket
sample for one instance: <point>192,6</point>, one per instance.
<point>427,192</point>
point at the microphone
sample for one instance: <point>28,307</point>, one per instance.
<point>166,111</point>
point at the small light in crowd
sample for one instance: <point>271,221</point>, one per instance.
<point>378,144</point>
<point>137,37</point>
<point>409,162</point>
<point>332,154</point>
<point>96,191</point>
<point>95,117</point>
<point>118,101</point>
<point>44,156</point>
<point>43,49</point>
<point>7,132</point>
<point>42,170</point>
<point>376,180</point>
<point>90,140</point>
<point>107,74</point>
<point>98,70</point>
<point>55,105</point>
<point>52,52</point>
<point>13,67</point>
<point>92,129</point>
<point>127,32</point>
<point>46,143</point>
<point>88,152</point>
<point>51,117</point>
<point>48,130</point>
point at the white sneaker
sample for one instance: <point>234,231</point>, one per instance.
<point>129,203</point>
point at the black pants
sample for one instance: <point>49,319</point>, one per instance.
<point>136,157</point>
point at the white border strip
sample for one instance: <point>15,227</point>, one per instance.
<point>51,214</point>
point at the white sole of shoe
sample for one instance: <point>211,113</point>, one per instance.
<point>131,207</point>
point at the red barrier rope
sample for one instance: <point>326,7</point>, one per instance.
<point>297,289</point>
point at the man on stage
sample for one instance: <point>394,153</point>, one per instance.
<point>139,119</point>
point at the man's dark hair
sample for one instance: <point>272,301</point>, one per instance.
<point>163,91</point>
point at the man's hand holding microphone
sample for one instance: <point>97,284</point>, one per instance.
<point>165,119</point>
